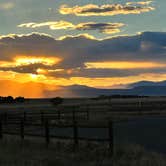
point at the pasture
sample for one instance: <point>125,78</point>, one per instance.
<point>77,127</point>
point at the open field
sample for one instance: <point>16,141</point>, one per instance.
<point>33,153</point>
<point>138,122</point>
<point>101,110</point>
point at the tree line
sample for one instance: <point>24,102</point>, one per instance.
<point>10,99</point>
<point>20,99</point>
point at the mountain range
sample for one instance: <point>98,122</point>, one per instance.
<point>38,90</point>
<point>142,88</point>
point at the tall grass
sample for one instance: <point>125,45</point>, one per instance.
<point>62,153</point>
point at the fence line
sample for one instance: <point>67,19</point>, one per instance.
<point>17,124</point>
<point>21,121</point>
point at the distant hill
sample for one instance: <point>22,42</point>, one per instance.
<point>85,91</point>
<point>147,90</point>
<point>36,90</point>
<point>146,83</point>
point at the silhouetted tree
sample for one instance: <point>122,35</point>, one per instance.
<point>20,99</point>
<point>9,99</point>
<point>57,100</point>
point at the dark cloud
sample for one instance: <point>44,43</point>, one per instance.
<point>29,68</point>
<point>76,51</point>
<point>104,73</point>
<point>108,28</point>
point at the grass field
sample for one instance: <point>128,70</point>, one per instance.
<point>33,151</point>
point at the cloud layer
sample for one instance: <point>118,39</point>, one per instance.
<point>85,57</point>
<point>108,28</point>
<point>107,9</point>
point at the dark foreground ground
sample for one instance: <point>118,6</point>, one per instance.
<point>35,153</point>
<point>139,137</point>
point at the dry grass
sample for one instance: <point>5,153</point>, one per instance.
<point>34,153</point>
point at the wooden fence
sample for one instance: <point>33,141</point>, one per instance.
<point>45,124</point>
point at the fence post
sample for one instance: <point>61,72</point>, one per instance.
<point>74,114</point>
<point>140,106</point>
<point>1,130</point>
<point>47,134</point>
<point>111,137</point>
<point>24,116</point>
<point>42,117</point>
<point>75,134</point>
<point>59,114</point>
<point>22,128</point>
<point>88,117</point>
<point>5,118</point>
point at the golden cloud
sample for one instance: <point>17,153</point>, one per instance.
<point>108,28</point>
<point>107,10</point>
<point>124,65</point>
<point>109,81</point>
<point>84,35</point>
<point>25,60</point>
<point>28,60</point>
<point>51,24</point>
<point>83,61</point>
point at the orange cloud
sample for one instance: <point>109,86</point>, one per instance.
<point>109,82</point>
<point>124,65</point>
<point>30,86</point>
<point>24,60</point>
<point>34,60</point>
<point>27,60</point>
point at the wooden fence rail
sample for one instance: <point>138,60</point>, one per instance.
<point>43,126</point>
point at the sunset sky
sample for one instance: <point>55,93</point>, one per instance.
<point>97,43</point>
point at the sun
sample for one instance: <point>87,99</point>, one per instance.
<point>25,60</point>
<point>33,76</point>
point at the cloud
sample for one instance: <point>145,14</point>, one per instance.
<point>28,68</point>
<point>124,65</point>
<point>107,9</point>
<point>52,25</point>
<point>140,3</point>
<point>84,35</point>
<point>107,28</point>
<point>102,73</point>
<point>82,56</point>
<point>6,5</point>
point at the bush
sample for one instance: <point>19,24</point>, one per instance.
<point>20,99</point>
<point>8,99</point>
<point>57,100</point>
<point>11,100</point>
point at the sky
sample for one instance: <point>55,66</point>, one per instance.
<point>104,44</point>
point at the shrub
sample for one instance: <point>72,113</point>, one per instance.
<point>20,99</point>
<point>57,100</point>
